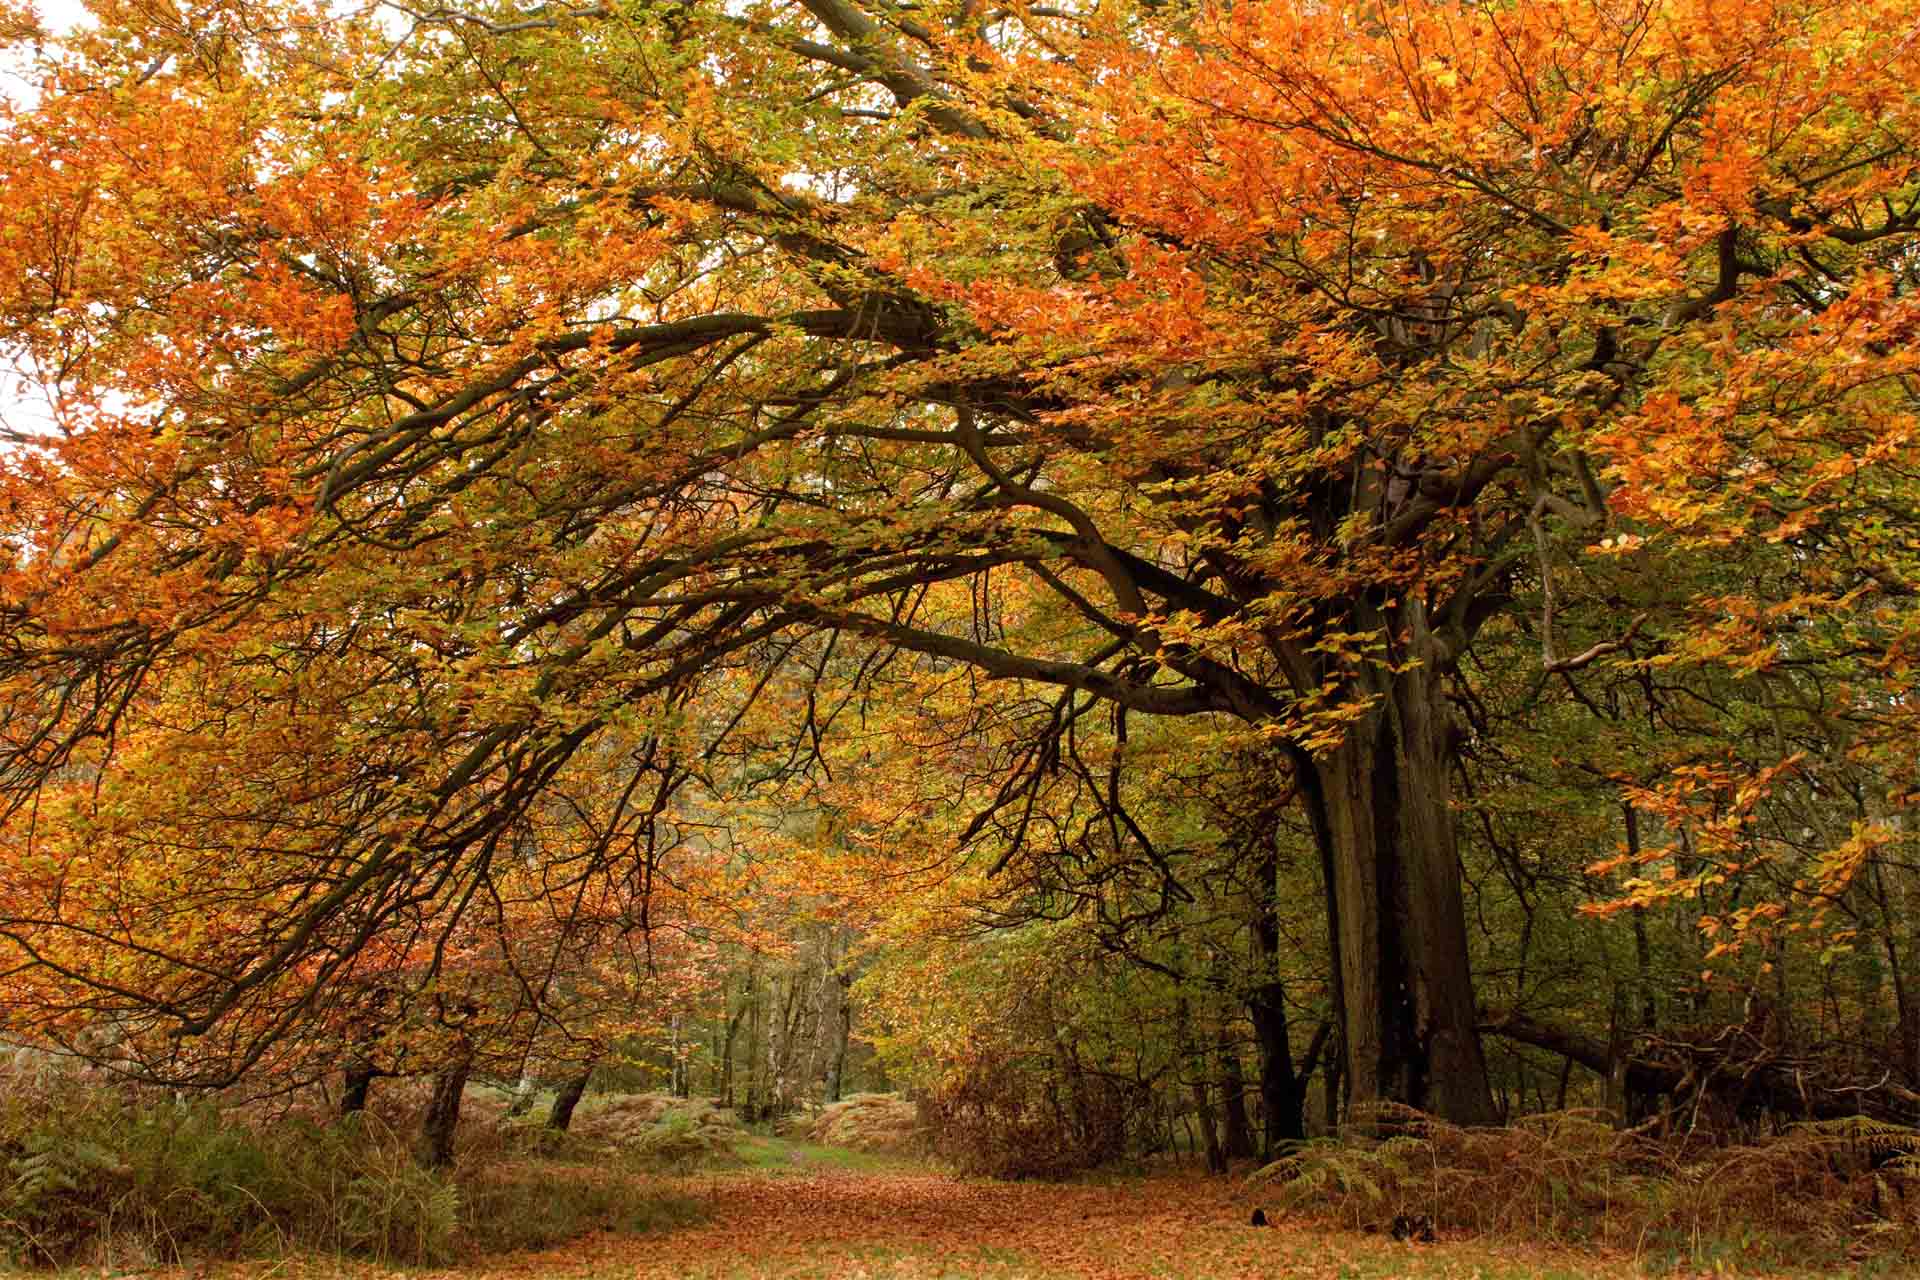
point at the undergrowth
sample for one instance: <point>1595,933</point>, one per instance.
<point>98,1174</point>
<point>1833,1189</point>
<point>656,1131</point>
<point>878,1123</point>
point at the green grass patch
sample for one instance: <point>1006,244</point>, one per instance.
<point>759,1151</point>
<point>538,1205</point>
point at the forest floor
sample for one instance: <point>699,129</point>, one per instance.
<point>795,1210</point>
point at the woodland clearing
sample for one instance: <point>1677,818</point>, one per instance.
<point>794,1210</point>
<point>802,1211</point>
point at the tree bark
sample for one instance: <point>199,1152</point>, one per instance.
<point>443,1115</point>
<point>843,1035</point>
<point>1379,802</point>
<point>1233,1099</point>
<point>1194,1061</point>
<point>1773,1082</point>
<point>726,1053</point>
<point>754,1014</point>
<point>1283,1093</point>
<point>1209,1131</point>
<point>359,1082</point>
<point>1067,1067</point>
<point>523,1095</point>
<point>568,1098</point>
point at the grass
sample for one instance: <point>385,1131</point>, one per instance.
<point>790,1155</point>
<point>306,1200</point>
<point>132,1181</point>
<point>796,1211</point>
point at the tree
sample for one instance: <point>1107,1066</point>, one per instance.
<point>523,376</point>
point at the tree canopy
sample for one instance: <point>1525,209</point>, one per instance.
<point>494,447</point>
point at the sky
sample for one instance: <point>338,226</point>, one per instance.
<point>23,407</point>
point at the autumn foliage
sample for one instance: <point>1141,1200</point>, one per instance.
<point>1212,552</point>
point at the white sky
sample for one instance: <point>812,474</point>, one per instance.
<point>23,407</point>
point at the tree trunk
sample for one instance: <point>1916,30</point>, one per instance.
<point>523,1096</point>
<point>1195,1063</point>
<point>752,1110</point>
<point>726,1053</point>
<point>843,1034</point>
<point>1233,1099</point>
<point>1209,1132</point>
<point>358,1082</point>
<point>1067,1067</point>
<point>677,1074</point>
<point>568,1098</point>
<point>1379,802</point>
<point>1283,1094</point>
<point>782,1045</point>
<point>443,1115</point>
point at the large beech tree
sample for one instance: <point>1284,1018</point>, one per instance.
<point>440,391</point>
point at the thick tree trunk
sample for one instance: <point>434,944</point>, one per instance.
<point>358,1082</point>
<point>568,1098</point>
<point>1379,804</point>
<point>1283,1092</point>
<point>443,1115</point>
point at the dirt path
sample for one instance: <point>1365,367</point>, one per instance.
<point>920,1225</point>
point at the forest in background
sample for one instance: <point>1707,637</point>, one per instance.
<point>1158,576</point>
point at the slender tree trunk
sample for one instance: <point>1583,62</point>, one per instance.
<point>1380,808</point>
<point>1283,1094</point>
<point>1233,1099</point>
<point>753,1053</point>
<point>443,1114</point>
<point>523,1093</point>
<point>568,1098</point>
<point>1906,1014</point>
<point>676,1062</point>
<point>1195,1064</point>
<point>843,1034</point>
<point>1209,1131</point>
<point>1067,1066</point>
<point>726,1051</point>
<point>783,1042</point>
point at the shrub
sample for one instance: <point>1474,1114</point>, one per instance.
<point>657,1128</point>
<point>1001,1120</point>
<point>100,1173</point>
<point>1828,1188</point>
<point>880,1123</point>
